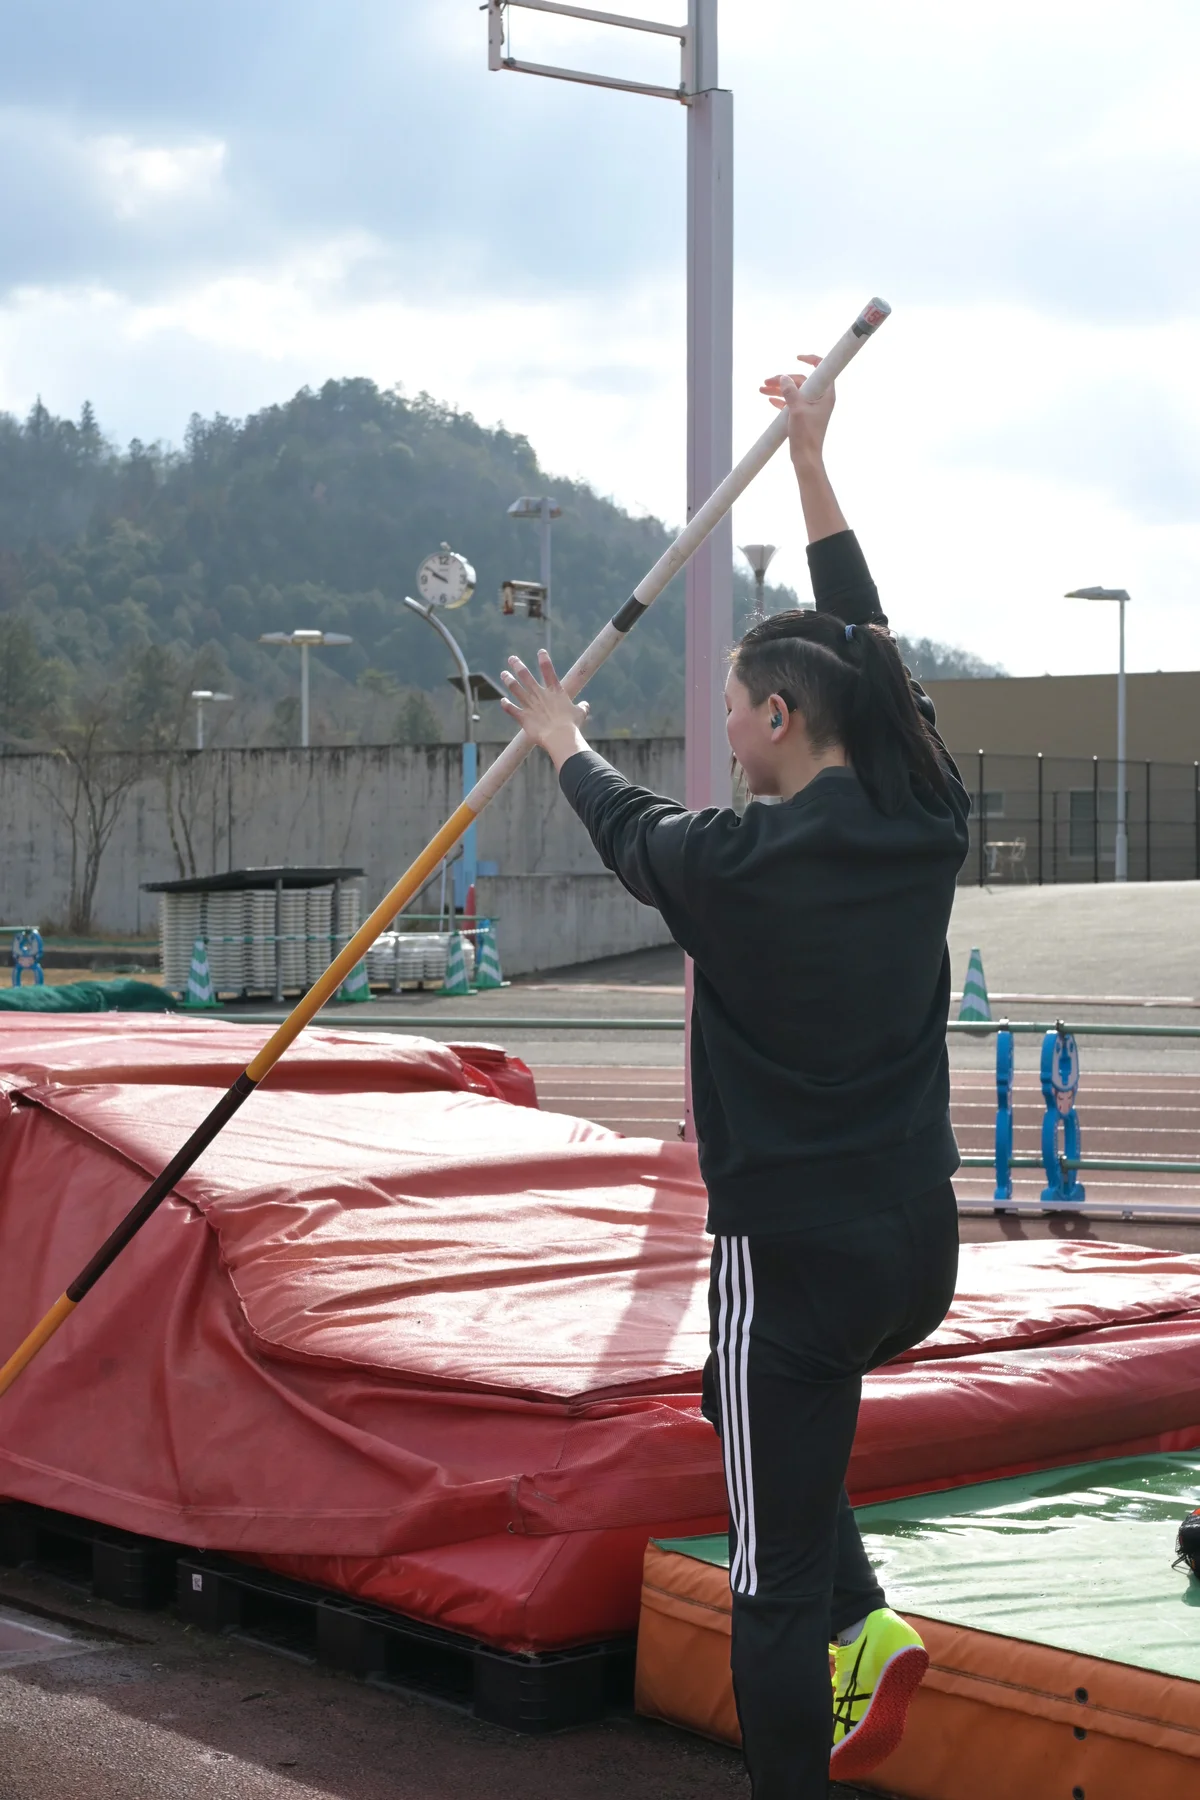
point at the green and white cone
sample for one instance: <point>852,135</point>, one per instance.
<point>976,1007</point>
<point>455,979</point>
<point>487,957</point>
<point>199,983</point>
<point>356,986</point>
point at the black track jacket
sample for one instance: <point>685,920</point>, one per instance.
<point>820,1083</point>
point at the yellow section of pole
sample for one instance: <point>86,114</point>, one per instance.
<point>328,984</point>
<point>42,1332</point>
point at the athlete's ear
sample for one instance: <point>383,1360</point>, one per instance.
<point>778,712</point>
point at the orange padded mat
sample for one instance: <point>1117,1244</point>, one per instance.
<point>1088,1681</point>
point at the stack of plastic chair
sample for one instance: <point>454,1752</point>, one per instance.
<point>260,935</point>
<point>226,913</point>
<point>318,914</point>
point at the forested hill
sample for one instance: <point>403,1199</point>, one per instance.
<point>317,513</point>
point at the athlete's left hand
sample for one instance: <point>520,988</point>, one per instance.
<point>543,709</point>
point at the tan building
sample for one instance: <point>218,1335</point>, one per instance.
<point>1072,715</point>
<point>1039,756</point>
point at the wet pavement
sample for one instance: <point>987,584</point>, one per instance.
<point>135,1706</point>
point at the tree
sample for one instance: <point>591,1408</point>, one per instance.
<point>416,721</point>
<point>29,681</point>
<point>285,721</point>
<point>378,682</point>
<point>96,788</point>
<point>931,661</point>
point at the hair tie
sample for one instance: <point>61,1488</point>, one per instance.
<point>849,632</point>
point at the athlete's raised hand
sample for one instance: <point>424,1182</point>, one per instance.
<point>543,709</point>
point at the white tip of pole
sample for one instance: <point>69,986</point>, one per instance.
<point>871,317</point>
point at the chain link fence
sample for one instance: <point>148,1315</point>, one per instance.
<point>1044,819</point>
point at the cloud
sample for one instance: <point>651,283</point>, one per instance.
<point>141,178</point>
<point>205,210</point>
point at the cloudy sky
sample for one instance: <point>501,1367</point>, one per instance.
<point>202,208</point>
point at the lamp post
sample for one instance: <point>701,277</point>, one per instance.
<point>201,696</point>
<point>1121,848</point>
<point>543,509</point>
<point>448,581</point>
<point>305,641</point>
<point>759,557</point>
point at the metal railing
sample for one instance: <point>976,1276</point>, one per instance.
<point>1047,819</point>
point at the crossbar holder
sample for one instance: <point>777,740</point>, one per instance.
<point>496,10</point>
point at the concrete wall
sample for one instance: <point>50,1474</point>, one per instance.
<point>372,807</point>
<point>551,921</point>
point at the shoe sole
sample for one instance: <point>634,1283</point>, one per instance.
<point>881,1727</point>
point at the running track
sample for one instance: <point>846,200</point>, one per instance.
<point>1156,1116</point>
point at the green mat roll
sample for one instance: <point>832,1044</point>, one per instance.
<point>120,995</point>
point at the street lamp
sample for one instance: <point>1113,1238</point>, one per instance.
<point>448,581</point>
<point>200,696</point>
<point>305,641</point>
<point>759,557</point>
<point>543,509</point>
<point>1121,856</point>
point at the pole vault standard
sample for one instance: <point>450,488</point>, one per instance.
<point>705,518</point>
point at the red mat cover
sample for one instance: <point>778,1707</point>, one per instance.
<point>403,1338</point>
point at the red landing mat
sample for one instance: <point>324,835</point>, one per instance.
<point>446,1350</point>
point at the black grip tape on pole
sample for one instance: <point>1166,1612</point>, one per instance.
<point>161,1186</point>
<point>629,614</point>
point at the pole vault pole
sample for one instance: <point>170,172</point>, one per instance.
<point>702,522</point>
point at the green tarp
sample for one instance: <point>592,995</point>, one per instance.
<point>119,995</point>
<point>1076,1558</point>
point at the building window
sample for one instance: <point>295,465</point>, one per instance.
<point>1081,838</point>
<point>993,800</point>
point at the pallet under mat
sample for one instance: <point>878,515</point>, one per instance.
<point>541,1692</point>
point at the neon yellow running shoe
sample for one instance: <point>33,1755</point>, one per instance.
<point>877,1675</point>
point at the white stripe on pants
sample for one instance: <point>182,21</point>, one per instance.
<point>736,1314</point>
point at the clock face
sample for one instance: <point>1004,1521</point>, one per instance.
<point>446,579</point>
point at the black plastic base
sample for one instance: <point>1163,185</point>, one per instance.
<point>115,1565</point>
<point>547,1692</point>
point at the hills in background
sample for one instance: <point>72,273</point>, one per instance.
<point>128,578</point>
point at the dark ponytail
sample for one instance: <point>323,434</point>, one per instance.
<point>851,689</point>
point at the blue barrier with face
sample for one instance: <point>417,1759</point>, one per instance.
<point>1004,1114</point>
<point>1060,1084</point>
<point>27,955</point>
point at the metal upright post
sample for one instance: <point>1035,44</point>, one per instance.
<point>1095,818</point>
<point>1196,814</point>
<point>304,696</point>
<point>1121,854</point>
<point>981,829</point>
<point>544,518</point>
<point>1148,766</point>
<point>470,757</point>
<point>709,625</point>
<point>1041,766</point>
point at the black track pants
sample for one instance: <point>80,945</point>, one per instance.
<point>796,1321</point>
